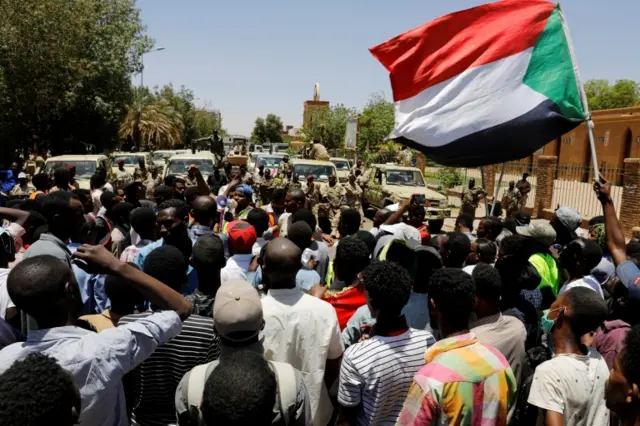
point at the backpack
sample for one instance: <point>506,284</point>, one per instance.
<point>285,378</point>
<point>526,414</point>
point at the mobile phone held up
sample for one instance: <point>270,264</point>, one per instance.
<point>419,199</point>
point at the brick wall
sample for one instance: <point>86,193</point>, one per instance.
<point>545,172</point>
<point>630,206</point>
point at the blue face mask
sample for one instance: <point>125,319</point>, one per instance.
<point>546,323</point>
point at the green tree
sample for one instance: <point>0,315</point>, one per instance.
<point>182,102</point>
<point>329,125</point>
<point>376,122</point>
<point>206,122</point>
<point>268,129</point>
<point>65,70</point>
<point>602,95</point>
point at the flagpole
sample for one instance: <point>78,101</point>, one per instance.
<point>484,185</point>
<point>496,189</point>
<point>583,94</point>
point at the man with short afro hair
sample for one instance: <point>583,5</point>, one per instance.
<point>451,382</point>
<point>38,392</point>
<point>454,249</point>
<point>208,260</point>
<point>376,372</point>
<point>571,385</point>
<point>242,392</point>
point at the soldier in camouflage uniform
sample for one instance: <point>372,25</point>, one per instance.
<point>317,151</point>
<point>295,182</point>
<point>404,157</point>
<point>285,166</point>
<point>333,194</point>
<point>353,194</point>
<point>312,193</point>
<point>153,180</point>
<point>267,185</point>
<point>281,181</point>
<point>122,177</point>
<point>141,173</point>
<point>258,178</point>
<point>245,175</point>
<point>471,198</point>
<point>510,200</point>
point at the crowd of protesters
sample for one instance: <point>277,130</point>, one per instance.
<point>191,304</point>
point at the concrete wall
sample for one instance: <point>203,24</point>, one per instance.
<point>617,136</point>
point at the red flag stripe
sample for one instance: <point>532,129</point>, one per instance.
<point>443,48</point>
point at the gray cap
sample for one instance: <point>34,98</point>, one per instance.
<point>541,232</point>
<point>237,309</point>
<point>569,217</point>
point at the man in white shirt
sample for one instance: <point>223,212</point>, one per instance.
<point>45,289</point>
<point>294,200</point>
<point>569,388</point>
<point>300,329</point>
<point>97,184</point>
<point>242,237</point>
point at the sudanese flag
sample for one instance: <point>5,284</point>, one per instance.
<point>485,85</point>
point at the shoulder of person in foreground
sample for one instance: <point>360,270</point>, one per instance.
<point>187,415</point>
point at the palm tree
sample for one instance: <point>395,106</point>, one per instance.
<point>159,125</point>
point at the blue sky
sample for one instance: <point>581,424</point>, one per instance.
<point>250,58</point>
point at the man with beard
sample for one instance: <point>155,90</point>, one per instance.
<point>173,218</point>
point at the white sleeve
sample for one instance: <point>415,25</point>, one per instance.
<point>350,384</point>
<point>546,390</point>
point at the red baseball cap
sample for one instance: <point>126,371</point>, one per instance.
<point>309,177</point>
<point>242,235</point>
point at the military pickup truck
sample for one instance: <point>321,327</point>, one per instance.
<point>390,183</point>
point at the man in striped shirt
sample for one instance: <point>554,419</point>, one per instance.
<point>154,382</point>
<point>464,381</point>
<point>376,373</point>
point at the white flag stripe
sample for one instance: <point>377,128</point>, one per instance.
<point>475,100</point>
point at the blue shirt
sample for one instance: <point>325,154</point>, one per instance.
<point>305,278</point>
<point>99,361</point>
<point>417,312</point>
<point>94,298</point>
<point>9,180</point>
<point>192,276</point>
<point>196,231</point>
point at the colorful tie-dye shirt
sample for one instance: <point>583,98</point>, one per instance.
<point>464,383</point>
